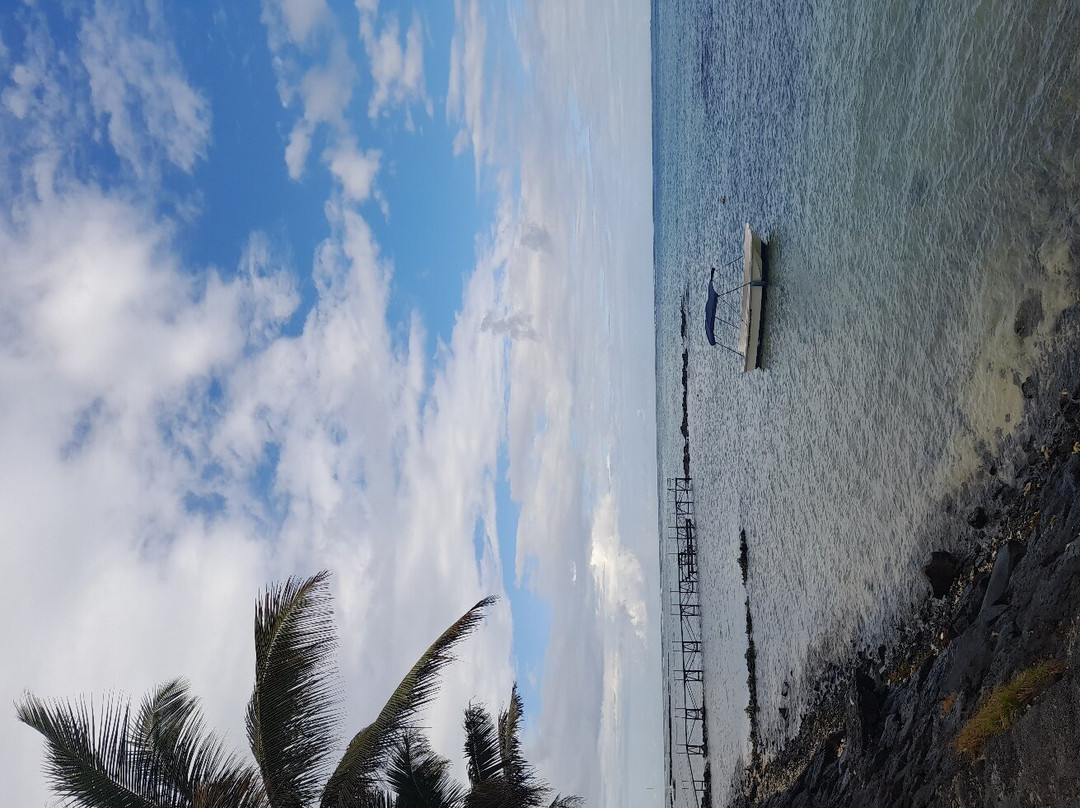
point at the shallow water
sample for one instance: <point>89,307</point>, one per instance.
<point>913,166</point>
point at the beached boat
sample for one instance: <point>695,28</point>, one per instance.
<point>753,300</point>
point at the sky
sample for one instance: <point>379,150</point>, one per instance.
<point>309,285</point>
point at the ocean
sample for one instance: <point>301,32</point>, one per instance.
<point>913,166</point>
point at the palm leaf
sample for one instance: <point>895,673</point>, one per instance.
<point>358,772</point>
<point>89,760</point>
<point>292,715</point>
<point>238,788</point>
<point>482,754</point>
<point>527,787</point>
<point>501,777</point>
<point>509,741</point>
<point>498,792</point>
<point>420,778</point>
<point>569,801</point>
<point>169,732</point>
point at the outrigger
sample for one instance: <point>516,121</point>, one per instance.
<point>750,318</point>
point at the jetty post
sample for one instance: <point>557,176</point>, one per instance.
<point>687,703</point>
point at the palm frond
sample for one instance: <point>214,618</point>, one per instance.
<point>368,751</point>
<point>569,801</point>
<point>526,789</point>
<point>482,755</point>
<point>509,729</point>
<point>168,732</point>
<point>420,778</point>
<point>236,788</point>
<point>293,712</point>
<point>89,760</point>
<point>497,792</point>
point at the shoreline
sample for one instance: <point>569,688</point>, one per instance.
<point>883,730</point>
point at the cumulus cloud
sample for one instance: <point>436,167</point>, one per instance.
<point>355,170</point>
<point>293,20</point>
<point>535,237</point>
<point>39,114</point>
<point>616,570</point>
<point>581,402</point>
<point>314,74</point>
<point>516,325</point>
<point>138,90</point>
<point>397,65</point>
<point>466,103</point>
<point>169,446</point>
<point>121,81</point>
<point>325,91</point>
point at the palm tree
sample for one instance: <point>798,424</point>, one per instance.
<point>499,774</point>
<point>162,757</point>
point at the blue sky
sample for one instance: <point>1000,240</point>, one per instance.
<point>360,286</point>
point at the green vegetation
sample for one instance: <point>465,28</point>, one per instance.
<point>947,703</point>
<point>160,756</point>
<point>1004,706</point>
<point>499,775</point>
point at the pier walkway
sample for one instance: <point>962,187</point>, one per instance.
<point>687,729</point>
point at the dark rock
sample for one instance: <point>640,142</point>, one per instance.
<point>1007,558</point>
<point>971,601</point>
<point>941,571</point>
<point>1036,758</point>
<point>983,629</point>
<point>869,699</point>
<point>1028,388</point>
<point>1028,316</point>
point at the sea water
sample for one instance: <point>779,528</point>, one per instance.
<point>913,168</point>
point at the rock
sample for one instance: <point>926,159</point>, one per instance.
<point>869,700</point>
<point>1029,315</point>
<point>1007,558</point>
<point>977,518</point>
<point>1037,758</point>
<point>1028,388</point>
<point>941,571</point>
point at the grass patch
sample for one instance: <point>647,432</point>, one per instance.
<point>947,703</point>
<point>1004,706</point>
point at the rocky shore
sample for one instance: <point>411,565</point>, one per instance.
<point>999,630</point>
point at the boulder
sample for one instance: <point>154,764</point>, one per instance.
<point>1007,558</point>
<point>1029,315</point>
<point>1028,388</point>
<point>977,518</point>
<point>941,571</point>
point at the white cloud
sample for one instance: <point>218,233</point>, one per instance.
<point>355,170</point>
<point>516,325</point>
<point>108,351</point>
<point>580,435</point>
<point>616,571</point>
<point>319,75</point>
<point>465,97</point>
<point>293,20</point>
<point>397,68</point>
<point>325,91</point>
<point>145,401</point>
<point>138,89</point>
<point>296,150</point>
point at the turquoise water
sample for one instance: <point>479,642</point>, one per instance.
<point>913,166</point>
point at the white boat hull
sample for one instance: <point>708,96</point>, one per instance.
<point>753,300</point>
